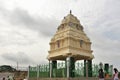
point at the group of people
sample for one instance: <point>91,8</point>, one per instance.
<point>115,75</point>
<point>8,78</point>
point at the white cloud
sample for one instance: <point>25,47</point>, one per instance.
<point>20,57</point>
<point>16,36</point>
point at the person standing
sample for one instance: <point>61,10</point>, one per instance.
<point>101,74</point>
<point>115,76</point>
<point>3,78</point>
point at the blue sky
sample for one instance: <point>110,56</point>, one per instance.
<point>26,27</point>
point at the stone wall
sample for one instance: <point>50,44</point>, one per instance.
<point>81,78</point>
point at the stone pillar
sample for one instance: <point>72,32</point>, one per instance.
<point>54,68</point>
<point>72,67</point>
<point>89,68</point>
<point>84,68</point>
<point>50,67</point>
<point>68,67</point>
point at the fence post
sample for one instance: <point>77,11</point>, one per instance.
<point>28,72</point>
<point>37,72</point>
<point>111,70</point>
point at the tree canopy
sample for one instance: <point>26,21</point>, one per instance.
<point>6,68</point>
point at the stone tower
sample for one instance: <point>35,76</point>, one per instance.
<point>70,41</point>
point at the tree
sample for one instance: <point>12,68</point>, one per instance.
<point>6,68</point>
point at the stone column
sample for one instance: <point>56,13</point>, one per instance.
<point>50,67</point>
<point>89,68</point>
<point>72,67</point>
<point>84,68</point>
<point>54,68</point>
<point>68,66</point>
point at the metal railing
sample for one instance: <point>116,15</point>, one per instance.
<point>43,70</point>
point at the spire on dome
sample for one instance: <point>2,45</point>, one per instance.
<point>70,18</point>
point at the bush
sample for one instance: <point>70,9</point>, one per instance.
<point>6,68</point>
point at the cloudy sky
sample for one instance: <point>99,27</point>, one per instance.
<point>26,27</point>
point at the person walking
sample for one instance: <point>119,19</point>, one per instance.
<point>3,78</point>
<point>101,74</point>
<point>115,76</point>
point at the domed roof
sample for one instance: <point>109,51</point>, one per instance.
<point>70,18</point>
